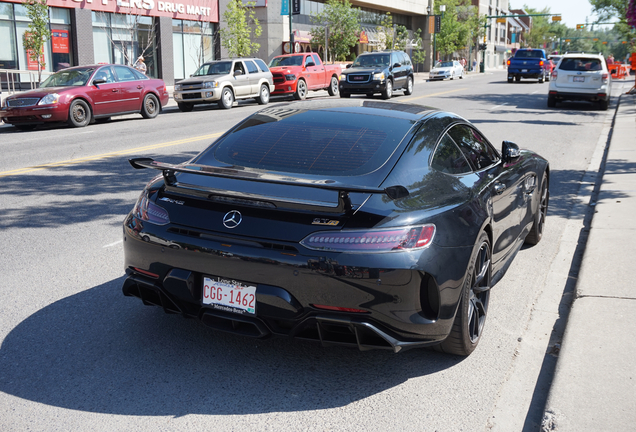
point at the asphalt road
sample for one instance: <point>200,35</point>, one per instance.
<point>78,355</point>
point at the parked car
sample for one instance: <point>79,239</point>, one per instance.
<point>223,82</point>
<point>581,76</point>
<point>83,94</point>
<point>446,69</point>
<point>527,63</point>
<point>350,222</point>
<point>378,72</point>
<point>297,74</point>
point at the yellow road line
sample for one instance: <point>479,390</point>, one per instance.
<point>432,94</point>
<point>106,155</point>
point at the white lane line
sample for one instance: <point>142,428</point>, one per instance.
<point>113,244</point>
<point>495,107</point>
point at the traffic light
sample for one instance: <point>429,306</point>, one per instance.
<point>580,26</point>
<point>482,47</point>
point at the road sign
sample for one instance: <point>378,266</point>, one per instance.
<point>501,20</point>
<point>568,40</point>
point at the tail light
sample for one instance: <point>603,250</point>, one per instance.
<point>541,63</point>
<point>605,77</point>
<point>554,74</point>
<point>380,240</point>
<point>508,62</point>
<point>148,211</point>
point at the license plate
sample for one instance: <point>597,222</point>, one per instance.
<point>524,70</point>
<point>229,295</point>
<point>579,79</point>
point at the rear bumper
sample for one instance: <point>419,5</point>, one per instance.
<point>399,306</point>
<point>529,73</point>
<point>576,96</point>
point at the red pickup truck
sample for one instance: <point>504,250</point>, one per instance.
<point>297,74</point>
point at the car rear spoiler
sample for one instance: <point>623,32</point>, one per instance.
<point>344,202</point>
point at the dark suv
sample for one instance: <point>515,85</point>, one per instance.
<point>378,72</point>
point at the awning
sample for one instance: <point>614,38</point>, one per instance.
<point>302,36</point>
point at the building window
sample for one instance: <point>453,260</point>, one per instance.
<point>121,39</point>
<point>193,45</point>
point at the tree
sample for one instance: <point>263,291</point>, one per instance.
<point>619,9</point>
<point>343,25</point>
<point>418,55</point>
<point>460,23</point>
<point>38,33</point>
<point>241,26</point>
<point>387,32</point>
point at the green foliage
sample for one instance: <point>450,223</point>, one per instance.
<point>344,28</point>
<point>387,33</point>
<point>418,55</point>
<point>615,10</point>
<point>461,26</point>
<point>241,26</point>
<point>38,31</point>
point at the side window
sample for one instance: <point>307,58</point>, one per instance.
<point>105,74</point>
<point>316,59</point>
<point>251,67</point>
<point>238,66</point>
<point>448,158</point>
<point>139,75</point>
<point>124,74</point>
<point>474,146</point>
<point>261,64</point>
<point>407,59</point>
<point>308,60</point>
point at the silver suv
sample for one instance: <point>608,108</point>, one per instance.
<point>580,77</point>
<point>225,81</point>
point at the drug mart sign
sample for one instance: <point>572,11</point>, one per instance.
<point>195,10</point>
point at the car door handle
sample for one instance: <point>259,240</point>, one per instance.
<point>500,188</point>
<point>140,87</point>
<point>114,90</point>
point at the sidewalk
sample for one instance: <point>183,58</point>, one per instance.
<point>594,387</point>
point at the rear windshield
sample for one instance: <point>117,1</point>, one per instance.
<point>319,142</point>
<point>581,64</point>
<point>526,54</point>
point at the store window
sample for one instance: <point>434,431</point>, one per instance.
<point>192,46</point>
<point>121,39</point>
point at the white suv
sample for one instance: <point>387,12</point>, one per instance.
<point>580,77</point>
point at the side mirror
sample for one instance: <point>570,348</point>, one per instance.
<point>348,66</point>
<point>397,65</point>
<point>238,72</point>
<point>509,151</point>
<point>310,64</point>
<point>99,81</point>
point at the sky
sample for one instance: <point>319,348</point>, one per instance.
<point>572,12</point>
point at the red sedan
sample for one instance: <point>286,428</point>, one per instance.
<point>83,94</point>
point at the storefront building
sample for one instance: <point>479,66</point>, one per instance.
<point>174,38</point>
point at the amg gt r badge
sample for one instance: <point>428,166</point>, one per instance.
<point>172,201</point>
<point>232,219</point>
<point>319,221</point>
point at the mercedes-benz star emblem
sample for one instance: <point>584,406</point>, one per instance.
<point>232,219</point>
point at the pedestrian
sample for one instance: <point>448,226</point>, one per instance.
<point>140,65</point>
<point>610,59</point>
<point>474,65</point>
<point>463,63</point>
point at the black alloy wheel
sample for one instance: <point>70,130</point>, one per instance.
<point>333,88</point>
<point>79,114</point>
<point>536,232</point>
<point>473,306</point>
<point>301,90</point>
<point>150,108</point>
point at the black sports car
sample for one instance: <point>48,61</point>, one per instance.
<point>351,222</point>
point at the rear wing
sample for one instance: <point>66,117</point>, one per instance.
<point>344,202</point>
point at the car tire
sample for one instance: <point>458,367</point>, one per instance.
<point>263,95</point>
<point>517,78</point>
<point>551,101</point>
<point>333,87</point>
<point>540,80</point>
<point>604,104</point>
<point>408,90</point>
<point>452,75</point>
<point>388,90</point>
<point>536,232</point>
<point>509,79</point>
<point>301,90</point>
<point>345,95</point>
<point>79,114</point>
<point>227,98</point>
<point>473,304</point>
<point>461,75</point>
<point>150,107</point>
<point>185,107</point>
